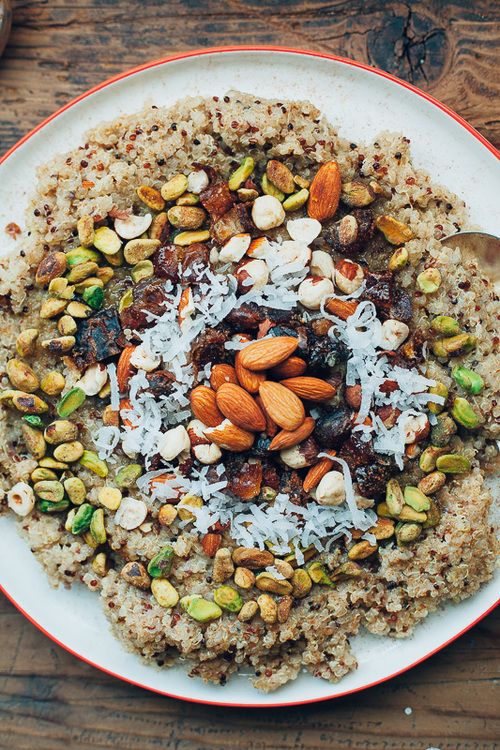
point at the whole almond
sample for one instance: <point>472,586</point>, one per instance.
<point>289,438</point>
<point>352,395</point>
<point>248,379</point>
<point>237,405</point>
<point>231,437</point>
<point>279,174</point>
<point>282,405</point>
<point>271,427</point>
<point>312,389</point>
<point>324,192</point>
<point>342,308</point>
<point>290,368</point>
<point>221,374</point>
<point>204,406</point>
<point>317,472</point>
<point>265,353</point>
<point>211,543</point>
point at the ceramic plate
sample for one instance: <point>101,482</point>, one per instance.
<point>361,102</point>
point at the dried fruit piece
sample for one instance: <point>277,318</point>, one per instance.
<point>282,405</point>
<point>324,192</point>
<point>265,353</point>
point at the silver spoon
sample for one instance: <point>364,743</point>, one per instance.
<point>479,246</point>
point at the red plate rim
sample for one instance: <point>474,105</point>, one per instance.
<point>199,53</point>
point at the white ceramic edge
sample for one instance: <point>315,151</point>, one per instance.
<point>362,103</point>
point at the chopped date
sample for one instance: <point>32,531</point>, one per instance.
<point>291,484</point>
<point>325,353</point>
<point>160,382</point>
<point>270,475</point>
<point>166,262</point>
<point>209,347</point>
<point>357,452</point>
<point>372,479</point>
<point>149,297</point>
<point>98,338</point>
<point>245,481</point>
<point>402,305</point>
<point>379,289</point>
<point>194,258</point>
<point>249,316</point>
<point>353,241</point>
<point>260,448</point>
<point>217,199</point>
<point>234,221</point>
<point>332,426</point>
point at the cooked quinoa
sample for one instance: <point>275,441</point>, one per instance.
<point>183,573</point>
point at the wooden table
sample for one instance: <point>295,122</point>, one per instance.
<point>58,48</point>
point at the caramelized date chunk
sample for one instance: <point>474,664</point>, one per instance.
<point>402,305</point>
<point>149,296</point>
<point>234,221</point>
<point>270,476</point>
<point>244,478</point>
<point>166,262</point>
<point>332,426</point>
<point>325,352</point>
<point>357,452</point>
<point>379,289</point>
<point>98,338</point>
<point>195,258</point>
<point>372,479</point>
<point>291,484</point>
<point>159,382</point>
<point>249,316</point>
<point>354,240</point>
<point>216,199</point>
<point>209,347</point>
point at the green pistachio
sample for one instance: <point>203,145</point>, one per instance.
<point>416,499</point>
<point>33,420</point>
<point>82,255</point>
<point>46,506</point>
<point>49,490</point>
<point>107,241</point>
<point>394,497</point>
<point>427,459</point>
<point>296,200</point>
<point>142,270</point>
<point>94,297</point>
<point>72,401</point>
<point>269,189</point>
<point>399,259</point>
<point>97,528</point>
<point>75,490</point>
<point>437,390</point>
<point>161,564</point>
<point>445,325</point>
<point>167,596</point>
<point>128,475</point>
<point>91,461</point>
<point>468,379</point>
<point>228,598</point>
<point>453,463</point>
<point>242,173</point>
<point>82,519</point>
<point>429,280</point>
<point>201,610</point>
<point>407,532</point>
<point>318,573</point>
<point>463,413</point>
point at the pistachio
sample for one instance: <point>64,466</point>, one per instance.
<point>66,325</point>
<point>91,461</point>
<point>427,460</point>
<point>82,519</point>
<point>110,497</point>
<point>33,420</point>
<point>357,194</point>
<point>61,288</point>
<point>302,182</point>
<point>174,188</point>
<point>166,595</point>
<point>69,452</point>
<point>280,176</point>
<point>82,271</point>
<point>50,463</point>
<point>70,402</point>
<point>159,228</point>
<point>267,608</point>
<point>361,550</point>
<point>107,241</point>
<point>46,506</point>
<point>437,390</point>
<point>393,230</point>
<point>244,578</point>
<point>139,249</point>
<point>26,342</point>
<point>128,475</point>
<point>432,483</point>
<point>85,229</point>
<point>183,239</point>
<point>284,568</point>
<point>40,475</point>
<point>22,376</point>
<point>60,431</point>
<point>75,490</point>
<point>445,325</point>
<point>228,598</point>
<point>453,463</point>
<point>468,379</point>
<point>187,502</point>
<point>142,270</point>
<point>89,540</point>
<point>97,528</point>
<point>34,441</point>
<point>79,310</point>
<point>454,345</point>
<point>296,200</point>
<point>59,345</point>
<point>151,197</point>
<point>50,267</point>
<point>252,558</point>
<point>429,281</point>
<point>7,396</point>
<point>167,514</point>
<point>82,255</point>
<point>394,497</point>
<point>383,529</point>
<point>223,565</point>
<point>201,610</point>
<point>100,564</point>
<point>248,611</point>
<point>49,490</point>
<point>416,499</point>
<point>28,403</point>
<point>301,583</point>
<point>267,582</point>
<point>463,413</point>
<point>186,217</point>
<point>409,514</point>
<point>187,199</point>
<point>443,430</point>
<point>93,296</point>
<point>105,274</point>
<point>318,573</point>
<point>52,307</point>
<point>348,569</point>
<point>285,604</point>
<point>269,189</point>
<point>53,383</point>
<point>161,564</point>
<point>407,532</point>
<point>135,573</point>
<point>399,259</point>
<point>433,516</point>
<point>246,195</point>
<point>126,300</point>
<point>240,175</point>
<point>383,511</point>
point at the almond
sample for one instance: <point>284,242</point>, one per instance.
<point>211,543</point>
<point>265,353</point>
<point>185,305</point>
<point>271,427</point>
<point>324,192</point>
<point>312,389</point>
<point>290,368</point>
<point>289,438</point>
<point>124,368</point>
<point>352,395</point>
<point>238,406</point>
<point>204,406</point>
<point>282,405</point>
<point>231,437</point>
<point>248,380</point>
<point>221,374</point>
<point>342,308</point>
<point>317,472</point>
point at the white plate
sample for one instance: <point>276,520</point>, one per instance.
<point>361,102</point>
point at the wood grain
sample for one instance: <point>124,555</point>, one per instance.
<point>48,699</point>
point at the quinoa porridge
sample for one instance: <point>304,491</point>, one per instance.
<point>247,396</point>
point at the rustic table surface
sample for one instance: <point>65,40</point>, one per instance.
<point>59,48</point>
